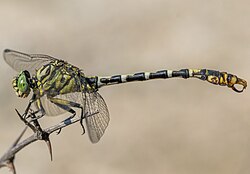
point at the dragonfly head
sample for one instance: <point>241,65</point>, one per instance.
<point>21,84</point>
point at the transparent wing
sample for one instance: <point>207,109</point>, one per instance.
<point>22,61</point>
<point>50,108</point>
<point>97,116</point>
<point>53,110</point>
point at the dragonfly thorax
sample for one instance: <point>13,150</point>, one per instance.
<point>22,84</point>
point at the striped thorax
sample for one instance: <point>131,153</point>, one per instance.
<point>56,78</point>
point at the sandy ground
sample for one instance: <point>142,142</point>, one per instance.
<point>171,126</point>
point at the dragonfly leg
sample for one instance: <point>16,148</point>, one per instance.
<point>28,107</point>
<point>36,117</point>
<point>67,105</point>
<point>84,116</point>
<point>40,109</point>
<point>81,121</point>
<point>34,114</point>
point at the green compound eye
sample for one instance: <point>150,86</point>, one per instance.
<point>22,83</point>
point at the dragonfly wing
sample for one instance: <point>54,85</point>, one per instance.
<point>50,108</point>
<point>97,116</point>
<point>95,109</point>
<point>22,61</point>
<point>53,110</point>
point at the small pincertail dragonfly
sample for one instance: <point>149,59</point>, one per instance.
<point>58,87</point>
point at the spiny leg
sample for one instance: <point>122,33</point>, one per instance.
<point>33,114</point>
<point>66,105</point>
<point>32,100</point>
<point>39,109</point>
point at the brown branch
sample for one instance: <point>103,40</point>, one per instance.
<point>7,160</point>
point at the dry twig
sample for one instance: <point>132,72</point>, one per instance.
<point>7,160</point>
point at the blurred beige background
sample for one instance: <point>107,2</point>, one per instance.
<point>170,126</point>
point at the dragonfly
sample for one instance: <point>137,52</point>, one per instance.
<point>59,87</point>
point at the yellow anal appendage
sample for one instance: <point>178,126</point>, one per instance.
<point>229,80</point>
